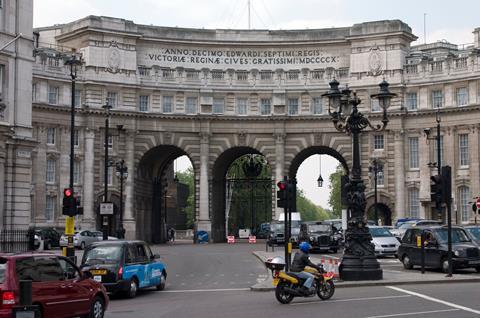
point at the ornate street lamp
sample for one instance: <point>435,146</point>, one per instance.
<point>359,261</point>
<point>122,174</point>
<point>320,179</point>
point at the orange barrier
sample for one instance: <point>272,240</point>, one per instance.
<point>230,239</point>
<point>252,239</point>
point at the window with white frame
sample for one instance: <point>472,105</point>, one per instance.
<point>78,98</point>
<point>143,103</point>
<point>463,149</point>
<point>265,106</point>
<point>49,208</point>
<point>462,96</point>
<point>53,94</point>
<point>378,142</point>
<point>167,104</point>
<point>437,99</point>
<point>413,203</point>
<point>112,99</point>
<point>317,106</point>
<point>375,105</point>
<point>110,141</point>
<point>463,198</point>
<point>76,138</point>
<point>50,136</point>
<point>34,92</point>
<point>76,171</point>
<point>413,152</point>
<point>380,175</point>
<point>50,172</point>
<point>191,107</point>
<point>293,106</point>
<point>218,105</point>
<point>435,154</point>
<point>411,101</point>
<point>242,106</point>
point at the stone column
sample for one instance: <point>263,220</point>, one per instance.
<point>279,167</point>
<point>89,180</point>
<point>424,159</point>
<point>451,152</point>
<point>400,160</point>
<point>129,223</point>
<point>204,222</point>
<point>474,162</point>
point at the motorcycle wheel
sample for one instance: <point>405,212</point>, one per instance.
<point>326,290</point>
<point>282,295</point>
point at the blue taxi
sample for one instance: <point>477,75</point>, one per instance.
<point>124,266</point>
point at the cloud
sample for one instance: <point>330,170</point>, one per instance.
<point>50,12</point>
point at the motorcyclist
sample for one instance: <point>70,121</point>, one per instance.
<point>300,260</point>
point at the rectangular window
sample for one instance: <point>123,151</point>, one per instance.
<point>193,75</point>
<point>265,106</point>
<point>463,149</point>
<point>191,107</point>
<point>413,203</point>
<point>143,103</point>
<point>242,76</point>
<point>375,105</point>
<point>110,141</point>
<point>218,104</point>
<point>242,106</point>
<point>50,136</point>
<point>413,152</point>
<point>437,99</point>
<point>462,96</point>
<point>49,208</point>
<point>411,101</point>
<point>293,106</point>
<point>50,176</point>
<point>76,172</point>
<point>34,92</point>
<point>167,104</point>
<point>378,142</point>
<point>435,154</point>
<point>317,106</point>
<point>112,99</point>
<point>380,176</point>
<point>53,95</point>
<point>266,76</point>
<point>78,98</point>
<point>76,138</point>
<point>110,176</point>
<point>465,209</point>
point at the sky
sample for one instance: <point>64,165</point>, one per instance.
<point>430,20</point>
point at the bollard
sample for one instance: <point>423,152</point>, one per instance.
<point>25,292</point>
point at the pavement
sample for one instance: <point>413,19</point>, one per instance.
<point>390,277</point>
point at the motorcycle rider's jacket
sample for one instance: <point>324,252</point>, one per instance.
<point>300,260</point>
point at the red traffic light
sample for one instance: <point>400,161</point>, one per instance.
<point>282,185</point>
<point>67,192</point>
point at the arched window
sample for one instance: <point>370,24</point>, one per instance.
<point>413,203</point>
<point>464,207</point>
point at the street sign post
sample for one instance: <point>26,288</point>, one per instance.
<point>106,208</point>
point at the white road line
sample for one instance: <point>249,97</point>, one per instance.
<point>446,303</point>
<point>205,290</point>
<point>414,313</point>
<point>350,299</point>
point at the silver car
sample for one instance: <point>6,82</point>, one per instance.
<point>384,241</point>
<point>81,239</point>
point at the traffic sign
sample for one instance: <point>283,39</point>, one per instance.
<point>106,208</point>
<point>478,203</point>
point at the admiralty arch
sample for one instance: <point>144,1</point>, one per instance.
<point>215,95</point>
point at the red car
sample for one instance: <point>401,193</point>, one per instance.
<point>59,288</point>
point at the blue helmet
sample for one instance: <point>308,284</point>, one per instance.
<point>305,247</point>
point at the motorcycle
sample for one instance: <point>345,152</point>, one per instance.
<point>288,285</point>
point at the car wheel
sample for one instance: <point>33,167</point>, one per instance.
<point>97,308</point>
<point>407,264</point>
<point>163,280</point>
<point>82,245</point>
<point>132,290</point>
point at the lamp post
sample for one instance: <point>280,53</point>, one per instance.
<point>105,220</point>
<point>122,174</point>
<point>377,170</point>
<point>320,179</point>
<point>359,261</point>
<point>73,61</point>
<point>437,164</point>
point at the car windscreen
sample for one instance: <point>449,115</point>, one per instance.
<point>102,254</point>
<point>276,227</point>
<point>318,228</point>
<point>3,269</point>
<point>458,235</point>
<point>406,225</point>
<point>380,232</point>
<point>475,231</point>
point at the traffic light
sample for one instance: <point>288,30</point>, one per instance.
<point>292,195</point>
<point>282,194</point>
<point>78,207</point>
<point>436,189</point>
<point>446,184</point>
<point>68,202</point>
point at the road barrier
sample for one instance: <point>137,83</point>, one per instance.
<point>252,239</point>
<point>331,264</point>
<point>230,239</point>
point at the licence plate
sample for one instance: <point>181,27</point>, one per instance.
<point>98,271</point>
<point>275,281</point>
<point>97,278</point>
<point>474,262</point>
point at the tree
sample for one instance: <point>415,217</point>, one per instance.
<point>187,177</point>
<point>335,199</point>
<point>308,210</point>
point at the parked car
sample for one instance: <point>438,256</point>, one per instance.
<point>385,243</point>
<point>124,266</point>
<point>320,235</point>
<point>465,253</point>
<point>59,288</point>
<point>403,220</point>
<point>277,233</point>
<point>49,236</point>
<point>400,231</point>
<point>473,232</point>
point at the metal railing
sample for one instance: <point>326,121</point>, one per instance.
<point>17,240</point>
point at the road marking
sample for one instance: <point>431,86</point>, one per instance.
<point>392,271</point>
<point>446,303</point>
<point>205,290</point>
<point>351,299</point>
<point>414,313</point>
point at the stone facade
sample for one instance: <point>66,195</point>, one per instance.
<point>215,95</point>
